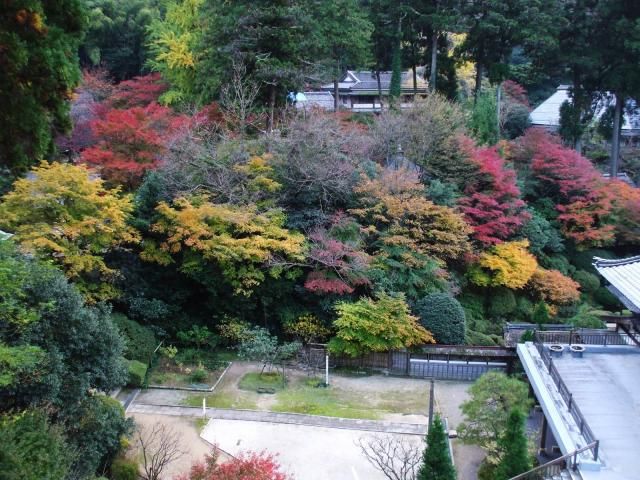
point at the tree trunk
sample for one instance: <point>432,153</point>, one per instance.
<point>476,91</point>
<point>615,138</point>
<point>336,95</point>
<point>272,106</point>
<point>498,100</point>
<point>578,145</point>
<point>434,61</point>
<point>379,89</point>
<point>415,82</point>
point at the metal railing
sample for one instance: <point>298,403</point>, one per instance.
<point>566,394</point>
<point>569,461</point>
<point>584,337</point>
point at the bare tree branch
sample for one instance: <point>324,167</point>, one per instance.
<point>397,459</point>
<point>159,446</point>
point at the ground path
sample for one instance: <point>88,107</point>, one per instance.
<point>286,418</point>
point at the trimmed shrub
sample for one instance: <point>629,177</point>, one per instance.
<point>541,314</point>
<point>524,309</point>
<point>476,338</point>
<point>199,375</point>
<point>140,340</point>
<point>124,469</point>
<point>589,282</point>
<point>556,262</point>
<point>137,373</point>
<point>584,260</point>
<point>444,317</point>
<point>502,302</point>
<point>608,300</point>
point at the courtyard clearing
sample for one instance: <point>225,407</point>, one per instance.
<point>305,452</point>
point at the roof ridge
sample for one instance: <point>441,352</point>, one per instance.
<point>604,262</point>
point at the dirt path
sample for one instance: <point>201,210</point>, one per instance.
<point>194,447</point>
<point>449,397</point>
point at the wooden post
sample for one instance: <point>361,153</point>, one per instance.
<point>431,395</point>
<point>407,365</point>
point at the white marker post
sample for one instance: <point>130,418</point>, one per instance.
<point>204,406</point>
<point>326,370</point>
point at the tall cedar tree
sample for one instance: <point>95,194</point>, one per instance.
<point>38,71</point>
<point>436,461</point>
<point>513,443</point>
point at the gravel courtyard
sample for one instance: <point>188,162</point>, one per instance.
<point>307,453</point>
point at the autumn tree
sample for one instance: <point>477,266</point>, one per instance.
<point>130,142</point>
<point>396,458</point>
<point>507,264</point>
<point>376,325</point>
<point>243,244</point>
<point>64,213</point>
<point>492,203</point>
<point>336,254</point>
<point>159,445</point>
<point>138,91</point>
<point>256,466</point>
<point>39,71</point>
<point>172,43</point>
<point>554,288</point>
<point>583,203</point>
<point>394,211</point>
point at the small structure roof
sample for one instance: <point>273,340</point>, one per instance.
<point>360,82</point>
<point>624,277</point>
<point>5,235</point>
<point>547,114</point>
<point>322,100</point>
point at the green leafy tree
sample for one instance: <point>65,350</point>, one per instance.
<point>341,37</point>
<point>513,443</point>
<point>32,449</point>
<point>444,317</point>
<point>436,461</point>
<point>540,313</point>
<point>493,396</point>
<point>39,71</point>
<point>376,325</point>
<point>116,36</point>
<point>259,345</point>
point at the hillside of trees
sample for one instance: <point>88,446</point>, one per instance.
<point>159,187</point>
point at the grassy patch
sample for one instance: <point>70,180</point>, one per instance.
<point>201,423</point>
<point>168,373</point>
<point>221,400</point>
<point>253,381</point>
<point>312,400</point>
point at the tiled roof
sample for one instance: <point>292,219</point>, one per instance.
<point>624,277</point>
<point>366,80</point>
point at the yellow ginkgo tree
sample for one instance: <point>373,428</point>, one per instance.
<point>507,264</point>
<point>65,214</point>
<point>239,241</point>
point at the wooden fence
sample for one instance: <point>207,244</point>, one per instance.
<point>446,362</point>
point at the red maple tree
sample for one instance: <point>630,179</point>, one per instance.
<point>129,142</point>
<point>492,204</point>
<point>246,466</point>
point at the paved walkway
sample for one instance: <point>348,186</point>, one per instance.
<point>288,418</point>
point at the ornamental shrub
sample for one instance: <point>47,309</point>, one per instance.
<point>140,340</point>
<point>589,282</point>
<point>124,469</point>
<point>607,299</point>
<point>502,302</point>
<point>477,338</point>
<point>443,316</point>
<point>137,373</point>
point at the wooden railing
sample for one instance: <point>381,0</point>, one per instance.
<point>569,461</point>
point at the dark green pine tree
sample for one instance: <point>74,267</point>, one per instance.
<point>514,443</point>
<point>436,460</point>
<point>38,71</point>
<point>396,74</point>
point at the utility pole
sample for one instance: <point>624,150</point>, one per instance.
<point>431,389</point>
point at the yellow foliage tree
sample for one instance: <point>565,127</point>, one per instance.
<point>395,209</point>
<point>241,242</point>
<point>555,288</point>
<point>507,264</point>
<point>64,213</point>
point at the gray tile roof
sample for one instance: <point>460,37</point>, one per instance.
<point>361,81</point>
<point>624,277</point>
